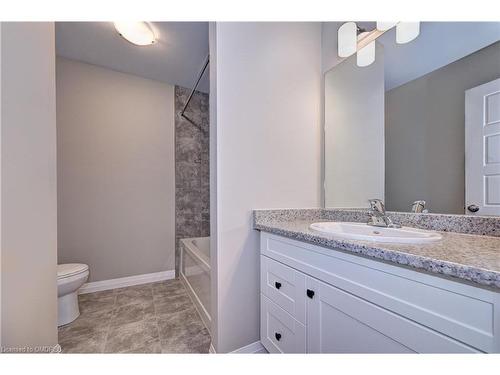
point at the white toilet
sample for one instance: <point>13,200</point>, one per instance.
<point>70,277</point>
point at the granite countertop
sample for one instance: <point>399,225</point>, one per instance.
<point>470,257</point>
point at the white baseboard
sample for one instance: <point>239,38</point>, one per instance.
<point>97,286</point>
<point>253,348</point>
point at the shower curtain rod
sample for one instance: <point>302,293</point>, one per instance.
<point>195,86</point>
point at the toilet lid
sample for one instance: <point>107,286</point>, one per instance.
<point>70,269</point>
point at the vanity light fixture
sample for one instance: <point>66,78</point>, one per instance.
<point>347,39</point>
<point>138,33</point>
<point>407,31</point>
<point>352,39</point>
<point>366,55</point>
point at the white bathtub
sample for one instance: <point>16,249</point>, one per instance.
<point>195,273</point>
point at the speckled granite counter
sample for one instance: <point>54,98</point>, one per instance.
<point>471,257</point>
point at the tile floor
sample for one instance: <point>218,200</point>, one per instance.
<point>149,318</point>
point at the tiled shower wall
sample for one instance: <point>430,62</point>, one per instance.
<point>192,184</point>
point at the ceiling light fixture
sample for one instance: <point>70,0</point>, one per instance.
<point>352,39</point>
<point>138,33</point>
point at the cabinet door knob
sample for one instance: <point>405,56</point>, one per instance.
<point>277,285</point>
<point>278,336</point>
<point>310,293</point>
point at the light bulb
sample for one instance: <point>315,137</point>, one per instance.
<point>366,55</point>
<point>384,26</point>
<point>407,31</point>
<point>139,33</point>
<point>347,39</point>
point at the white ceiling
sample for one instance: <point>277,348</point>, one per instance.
<point>176,58</point>
<point>182,48</point>
<point>439,44</point>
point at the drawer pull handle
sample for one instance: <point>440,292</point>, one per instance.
<point>278,336</point>
<point>277,285</point>
<point>310,293</point>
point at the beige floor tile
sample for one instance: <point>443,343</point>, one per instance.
<point>134,312</point>
<point>172,304</point>
<point>133,336</point>
<point>150,318</point>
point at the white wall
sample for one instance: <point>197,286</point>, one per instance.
<point>0,184</point>
<point>268,97</point>
<point>28,185</point>
<point>116,172</point>
<point>354,133</point>
<point>329,45</point>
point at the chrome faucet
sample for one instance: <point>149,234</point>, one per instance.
<point>378,216</point>
<point>418,207</point>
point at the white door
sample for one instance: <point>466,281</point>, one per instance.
<point>482,149</point>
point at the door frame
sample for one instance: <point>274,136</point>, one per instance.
<point>472,173</point>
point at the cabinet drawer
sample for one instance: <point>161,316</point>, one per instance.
<point>284,286</point>
<point>279,332</point>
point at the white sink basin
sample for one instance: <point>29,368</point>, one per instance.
<point>364,232</point>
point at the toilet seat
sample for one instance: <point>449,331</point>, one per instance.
<point>70,269</point>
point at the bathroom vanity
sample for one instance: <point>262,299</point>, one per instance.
<point>324,295</point>
<point>409,138</point>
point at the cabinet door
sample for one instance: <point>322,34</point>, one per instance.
<point>339,322</point>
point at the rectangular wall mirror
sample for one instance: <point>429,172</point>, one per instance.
<point>420,123</point>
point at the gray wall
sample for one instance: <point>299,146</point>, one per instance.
<point>424,134</point>
<point>28,185</point>
<point>115,137</point>
<point>265,95</point>
<point>192,190</point>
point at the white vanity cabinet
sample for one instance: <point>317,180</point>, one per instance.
<point>318,300</point>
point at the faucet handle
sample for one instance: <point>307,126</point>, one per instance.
<point>377,205</point>
<point>418,206</point>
